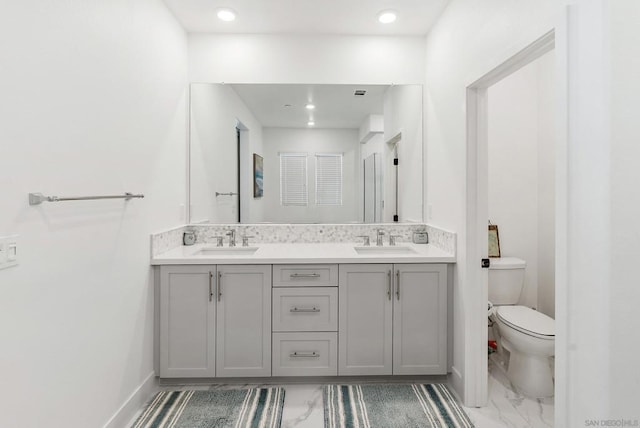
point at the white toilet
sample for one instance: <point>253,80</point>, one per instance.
<point>528,335</point>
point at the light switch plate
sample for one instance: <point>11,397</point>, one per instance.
<point>9,255</point>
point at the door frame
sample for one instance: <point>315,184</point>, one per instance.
<point>476,380</point>
<point>245,173</point>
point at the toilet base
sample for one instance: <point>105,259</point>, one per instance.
<point>530,374</point>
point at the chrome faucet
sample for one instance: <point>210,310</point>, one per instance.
<point>232,238</point>
<point>366,242</point>
<point>245,240</point>
<point>379,236</point>
<point>392,239</point>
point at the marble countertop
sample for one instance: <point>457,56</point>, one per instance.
<point>303,254</point>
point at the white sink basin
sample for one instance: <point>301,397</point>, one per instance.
<point>226,251</point>
<point>397,250</point>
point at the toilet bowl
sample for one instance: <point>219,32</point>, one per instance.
<point>527,335</point>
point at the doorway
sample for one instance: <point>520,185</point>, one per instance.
<point>478,207</point>
<point>521,184</point>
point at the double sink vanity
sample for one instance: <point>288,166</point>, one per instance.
<point>301,293</point>
<point>302,309</point>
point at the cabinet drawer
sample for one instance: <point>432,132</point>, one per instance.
<point>305,309</point>
<point>305,354</point>
<point>305,275</point>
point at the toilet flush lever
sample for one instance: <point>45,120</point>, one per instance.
<point>486,263</point>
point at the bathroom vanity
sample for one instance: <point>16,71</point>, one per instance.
<point>316,309</point>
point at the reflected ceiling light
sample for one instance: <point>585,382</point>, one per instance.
<point>226,14</point>
<point>387,16</point>
<point>311,123</point>
<point>310,106</point>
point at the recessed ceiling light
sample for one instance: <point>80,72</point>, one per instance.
<point>387,16</point>
<point>311,123</point>
<point>310,106</point>
<point>226,14</point>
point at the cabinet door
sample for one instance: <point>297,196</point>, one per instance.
<point>365,316</point>
<point>420,319</point>
<point>187,321</point>
<point>244,321</point>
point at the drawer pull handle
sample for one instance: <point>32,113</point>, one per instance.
<point>314,309</point>
<point>305,355</point>
<point>305,275</point>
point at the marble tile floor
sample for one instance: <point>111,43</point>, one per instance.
<point>505,408</point>
<point>508,408</point>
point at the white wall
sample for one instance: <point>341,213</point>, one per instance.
<point>254,58</point>
<point>215,112</point>
<point>623,22</point>
<point>547,149</point>
<point>283,59</point>
<point>312,141</point>
<point>521,155</point>
<point>374,145</point>
<point>468,41</point>
<point>93,102</point>
<point>597,203</point>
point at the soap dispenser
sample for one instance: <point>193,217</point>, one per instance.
<point>189,237</point>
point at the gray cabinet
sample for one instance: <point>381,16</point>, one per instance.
<point>392,319</point>
<point>215,321</point>
<point>365,319</point>
<point>420,319</point>
<point>244,321</point>
<point>187,321</point>
<point>305,320</point>
<point>316,275</point>
<point>305,354</point>
<point>225,320</point>
<point>305,309</point>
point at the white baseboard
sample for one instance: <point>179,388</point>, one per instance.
<point>134,404</point>
<point>457,382</point>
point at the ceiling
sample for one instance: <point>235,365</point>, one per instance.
<point>343,17</point>
<point>336,105</point>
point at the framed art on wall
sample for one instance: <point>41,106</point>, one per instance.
<point>258,179</point>
<point>494,241</point>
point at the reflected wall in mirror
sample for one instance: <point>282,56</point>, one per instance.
<point>328,153</point>
<point>373,185</point>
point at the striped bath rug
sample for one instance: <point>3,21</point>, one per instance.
<point>389,406</point>
<point>256,407</point>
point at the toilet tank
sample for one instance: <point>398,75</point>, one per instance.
<point>506,279</point>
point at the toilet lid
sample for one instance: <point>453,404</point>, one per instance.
<point>527,320</point>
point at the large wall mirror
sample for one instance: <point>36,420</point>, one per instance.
<point>278,153</point>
